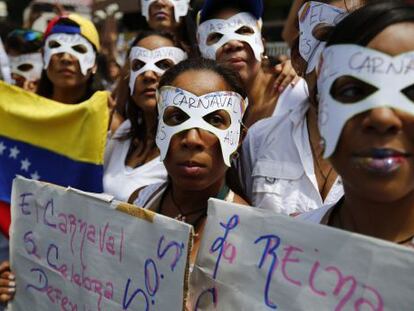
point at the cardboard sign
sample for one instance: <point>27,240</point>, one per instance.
<point>75,251</point>
<point>251,259</point>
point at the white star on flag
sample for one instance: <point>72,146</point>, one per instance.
<point>2,148</point>
<point>25,165</point>
<point>14,152</point>
<point>35,176</point>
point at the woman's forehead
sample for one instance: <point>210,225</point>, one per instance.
<point>200,82</point>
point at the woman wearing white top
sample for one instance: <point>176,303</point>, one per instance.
<point>132,158</point>
<point>370,139</point>
<point>282,168</point>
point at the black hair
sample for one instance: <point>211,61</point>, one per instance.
<point>17,42</point>
<point>231,77</point>
<point>364,24</point>
<point>218,6</point>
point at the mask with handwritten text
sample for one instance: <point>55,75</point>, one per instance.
<point>386,82</point>
<point>315,22</point>
<point>196,108</point>
<point>29,66</point>
<point>180,8</point>
<point>142,60</point>
<point>214,33</point>
<point>73,44</point>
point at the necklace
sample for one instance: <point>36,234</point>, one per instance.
<point>318,164</point>
<point>182,216</point>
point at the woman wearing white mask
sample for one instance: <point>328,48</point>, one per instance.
<point>366,120</point>
<point>201,105</point>
<point>71,44</point>
<point>230,32</point>
<point>282,168</point>
<point>132,157</point>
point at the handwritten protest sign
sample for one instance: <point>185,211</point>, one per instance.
<point>251,259</point>
<point>74,251</point>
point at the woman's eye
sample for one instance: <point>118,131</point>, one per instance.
<point>350,90</point>
<point>53,44</point>
<point>174,116</point>
<point>214,38</point>
<point>220,119</point>
<point>137,65</point>
<point>164,64</point>
<point>80,48</point>
<point>245,30</point>
<point>25,67</point>
<point>409,92</point>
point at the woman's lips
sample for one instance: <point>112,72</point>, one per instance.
<point>161,15</point>
<point>191,168</point>
<point>380,160</point>
<point>149,92</point>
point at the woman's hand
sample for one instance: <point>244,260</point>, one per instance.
<point>7,283</point>
<point>285,75</point>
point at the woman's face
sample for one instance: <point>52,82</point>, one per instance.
<point>64,72</point>
<point>161,16</point>
<point>238,54</point>
<point>194,159</point>
<point>146,83</point>
<point>375,153</point>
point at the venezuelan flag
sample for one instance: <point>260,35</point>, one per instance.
<point>50,141</point>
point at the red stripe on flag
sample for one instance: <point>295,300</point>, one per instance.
<point>5,218</point>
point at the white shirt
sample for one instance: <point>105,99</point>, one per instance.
<point>276,164</point>
<point>120,180</point>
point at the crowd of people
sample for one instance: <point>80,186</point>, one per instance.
<point>325,135</point>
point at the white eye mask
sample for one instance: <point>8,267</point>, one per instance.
<point>67,43</point>
<point>180,8</point>
<point>389,75</point>
<point>311,15</point>
<point>151,58</point>
<point>228,29</point>
<point>28,66</point>
<point>197,107</point>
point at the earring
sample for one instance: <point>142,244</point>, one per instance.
<point>235,155</point>
<point>322,144</point>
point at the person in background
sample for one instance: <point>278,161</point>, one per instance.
<point>175,17</point>
<point>132,157</point>
<point>366,121</point>
<point>70,49</point>
<point>230,32</point>
<point>197,142</point>
<point>24,49</point>
<point>282,168</point>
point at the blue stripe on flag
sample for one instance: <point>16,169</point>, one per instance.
<point>17,158</point>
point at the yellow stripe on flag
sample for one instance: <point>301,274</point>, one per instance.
<point>75,131</point>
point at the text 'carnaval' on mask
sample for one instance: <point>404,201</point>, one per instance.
<point>195,111</point>
<point>158,60</point>
<point>29,66</point>
<point>73,44</point>
<point>316,21</point>
<point>180,8</point>
<point>372,79</point>
<point>214,33</point>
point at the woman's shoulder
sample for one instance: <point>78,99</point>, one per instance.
<point>143,196</point>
